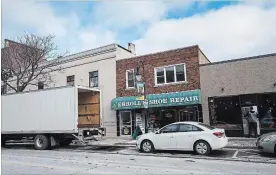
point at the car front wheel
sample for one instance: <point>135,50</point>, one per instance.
<point>147,146</point>
<point>202,148</point>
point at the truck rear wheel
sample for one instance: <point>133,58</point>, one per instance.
<point>42,142</point>
<point>3,143</point>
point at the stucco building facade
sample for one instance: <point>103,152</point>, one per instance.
<point>229,88</point>
<point>93,68</point>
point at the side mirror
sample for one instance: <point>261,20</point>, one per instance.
<point>157,132</point>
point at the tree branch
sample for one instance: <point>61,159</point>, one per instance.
<point>27,60</point>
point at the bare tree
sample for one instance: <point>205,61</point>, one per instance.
<point>29,61</point>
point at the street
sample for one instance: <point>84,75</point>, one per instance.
<point>18,160</point>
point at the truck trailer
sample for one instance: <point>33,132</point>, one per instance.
<point>52,116</point>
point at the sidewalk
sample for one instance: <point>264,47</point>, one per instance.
<point>242,143</point>
<point>233,142</point>
<point>114,141</point>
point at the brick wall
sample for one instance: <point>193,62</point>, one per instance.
<point>187,55</point>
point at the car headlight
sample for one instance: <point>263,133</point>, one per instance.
<point>268,138</point>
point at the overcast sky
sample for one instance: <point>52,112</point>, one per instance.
<point>223,29</point>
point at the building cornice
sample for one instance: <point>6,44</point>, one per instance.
<point>87,53</point>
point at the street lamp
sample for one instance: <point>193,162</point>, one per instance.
<point>138,77</point>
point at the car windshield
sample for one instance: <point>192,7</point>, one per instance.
<point>206,126</point>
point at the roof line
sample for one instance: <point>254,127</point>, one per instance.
<point>83,53</point>
<point>160,52</point>
<point>240,59</point>
<point>204,55</point>
<point>89,50</point>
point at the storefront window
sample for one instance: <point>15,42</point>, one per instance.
<point>248,100</point>
<point>227,113</point>
<point>168,117</point>
<point>230,112</point>
<point>153,121</point>
<point>188,114</point>
<point>267,111</point>
<point>159,118</point>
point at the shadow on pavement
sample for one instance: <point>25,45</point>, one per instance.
<point>19,146</point>
<point>268,155</point>
<point>215,153</point>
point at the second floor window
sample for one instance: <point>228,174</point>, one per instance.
<point>93,79</point>
<point>170,74</point>
<point>71,80</point>
<point>130,78</point>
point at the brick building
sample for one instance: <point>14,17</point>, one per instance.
<point>172,89</point>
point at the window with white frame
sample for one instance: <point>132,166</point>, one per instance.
<point>130,78</point>
<point>170,74</point>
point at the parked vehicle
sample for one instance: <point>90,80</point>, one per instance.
<point>184,136</point>
<point>267,143</point>
<point>51,116</point>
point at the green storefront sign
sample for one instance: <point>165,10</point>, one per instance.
<point>158,100</point>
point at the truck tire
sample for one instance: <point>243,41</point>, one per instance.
<point>42,142</point>
<point>65,142</point>
<point>3,143</point>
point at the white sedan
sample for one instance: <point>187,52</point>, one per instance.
<point>184,136</point>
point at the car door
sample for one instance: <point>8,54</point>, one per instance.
<point>165,139</point>
<point>186,136</point>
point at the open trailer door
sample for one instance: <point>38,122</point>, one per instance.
<point>90,111</point>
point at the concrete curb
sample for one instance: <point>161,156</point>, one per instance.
<point>242,147</point>
<point>233,147</point>
<point>133,145</point>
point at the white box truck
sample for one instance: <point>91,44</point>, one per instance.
<point>52,116</point>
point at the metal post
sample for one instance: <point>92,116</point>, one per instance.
<point>141,63</point>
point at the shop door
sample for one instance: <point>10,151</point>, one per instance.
<point>245,110</point>
<point>125,123</point>
<point>187,115</point>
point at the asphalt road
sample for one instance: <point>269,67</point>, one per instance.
<point>223,154</point>
<point>29,161</point>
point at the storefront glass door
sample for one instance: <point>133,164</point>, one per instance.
<point>125,123</point>
<point>188,115</point>
<point>245,110</point>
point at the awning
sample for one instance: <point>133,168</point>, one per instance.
<point>158,100</point>
<point>130,102</point>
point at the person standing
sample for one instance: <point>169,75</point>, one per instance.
<point>253,122</point>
